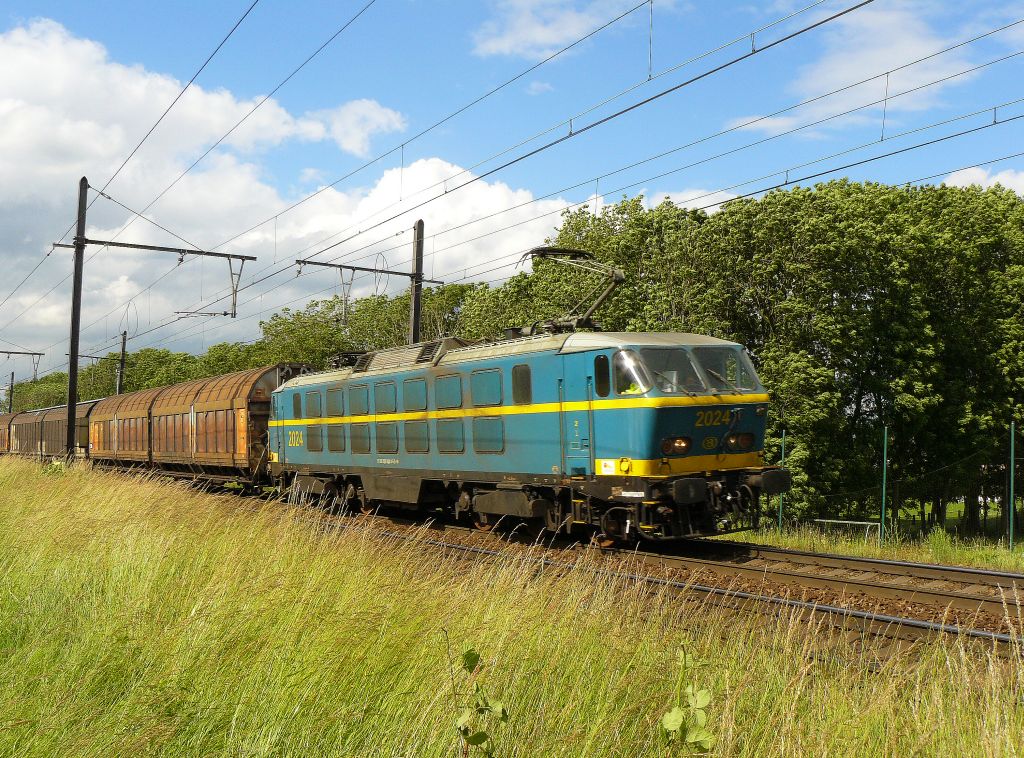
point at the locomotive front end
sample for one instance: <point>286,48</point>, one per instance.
<point>690,457</point>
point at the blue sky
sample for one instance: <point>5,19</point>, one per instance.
<point>81,83</point>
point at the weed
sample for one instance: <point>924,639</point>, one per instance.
<point>686,723</point>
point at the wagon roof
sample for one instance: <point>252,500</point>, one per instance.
<point>239,384</point>
<point>61,411</point>
<point>130,401</point>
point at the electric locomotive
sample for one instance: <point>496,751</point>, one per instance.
<point>627,435</point>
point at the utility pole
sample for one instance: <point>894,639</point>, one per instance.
<point>120,365</point>
<point>1013,476</point>
<point>416,285</point>
<point>783,464</point>
<point>10,396</point>
<point>416,276</point>
<point>885,472</point>
<point>76,315</point>
<point>80,242</point>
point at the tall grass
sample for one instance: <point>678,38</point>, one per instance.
<point>139,617</point>
<point>938,546</point>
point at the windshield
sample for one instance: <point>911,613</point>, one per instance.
<point>672,370</point>
<point>630,376</point>
<point>727,369</point>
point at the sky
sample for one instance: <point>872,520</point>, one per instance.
<point>411,109</point>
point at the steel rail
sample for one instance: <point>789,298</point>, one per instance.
<point>997,604</point>
<point>877,624</point>
<point>991,577</point>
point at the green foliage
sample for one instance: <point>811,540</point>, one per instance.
<point>685,724</point>
<point>865,306</point>
<point>479,711</point>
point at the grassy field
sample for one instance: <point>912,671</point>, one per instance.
<point>936,547</point>
<point>139,617</point>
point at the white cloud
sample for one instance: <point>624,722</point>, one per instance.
<point>539,88</point>
<point>537,28</point>
<point>311,176</point>
<point>67,110</point>
<point>870,42</point>
<point>353,124</point>
<point>983,178</point>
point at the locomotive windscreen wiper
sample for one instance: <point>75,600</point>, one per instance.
<point>721,378</point>
<point>675,386</point>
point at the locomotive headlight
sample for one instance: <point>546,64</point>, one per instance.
<point>739,441</point>
<point>675,445</point>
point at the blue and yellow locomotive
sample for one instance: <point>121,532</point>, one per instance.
<point>625,435</point>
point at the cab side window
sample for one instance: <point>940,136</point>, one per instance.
<point>602,376</point>
<point>522,385</point>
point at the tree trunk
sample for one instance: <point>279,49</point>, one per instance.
<point>972,507</point>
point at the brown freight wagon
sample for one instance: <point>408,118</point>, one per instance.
<point>5,431</point>
<point>27,433</point>
<point>119,428</point>
<point>55,430</point>
<point>213,428</point>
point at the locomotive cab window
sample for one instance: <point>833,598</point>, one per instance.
<point>602,376</point>
<point>522,385</point>
<point>727,369</point>
<point>630,376</point>
<point>672,370</point>
<point>485,387</point>
<point>448,391</point>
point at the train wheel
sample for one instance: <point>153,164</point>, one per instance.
<point>602,541</point>
<point>483,522</point>
<point>356,498</point>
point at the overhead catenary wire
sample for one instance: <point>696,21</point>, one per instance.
<point>575,132</point>
<point>705,160</point>
<point>139,214</point>
<point>515,78</point>
<point>792,168</point>
<point>736,127</point>
<point>592,125</point>
<point>494,90</point>
<point>227,134</point>
<point>467,276</point>
<point>517,254</point>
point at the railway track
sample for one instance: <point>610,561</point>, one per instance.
<point>848,611</point>
<point>839,626</point>
<point>992,594</point>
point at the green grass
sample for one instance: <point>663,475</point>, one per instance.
<point>139,617</point>
<point>936,547</point>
